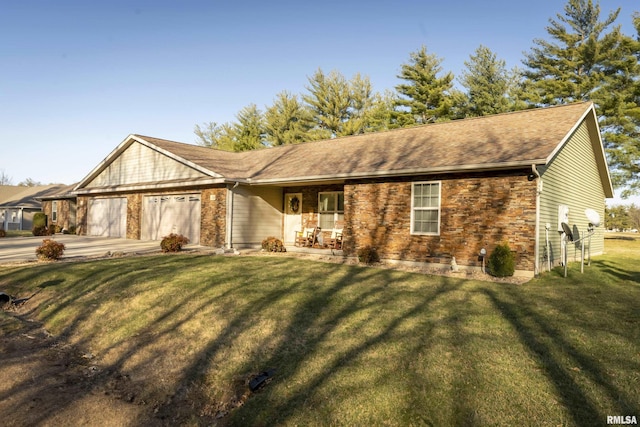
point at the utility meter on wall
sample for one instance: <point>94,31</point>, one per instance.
<point>563,216</point>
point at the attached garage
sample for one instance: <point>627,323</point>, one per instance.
<point>166,214</point>
<point>107,217</point>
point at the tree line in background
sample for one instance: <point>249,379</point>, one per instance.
<point>584,58</point>
<point>5,179</point>
<point>622,218</point>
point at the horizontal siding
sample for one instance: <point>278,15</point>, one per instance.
<point>140,164</point>
<point>571,179</point>
<point>257,214</point>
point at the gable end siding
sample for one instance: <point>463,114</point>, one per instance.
<point>140,164</point>
<point>572,178</point>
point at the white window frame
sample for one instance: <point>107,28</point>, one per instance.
<point>414,209</point>
<point>336,212</point>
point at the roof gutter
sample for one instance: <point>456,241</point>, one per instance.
<point>393,173</point>
<point>161,186</point>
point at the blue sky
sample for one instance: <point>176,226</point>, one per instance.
<point>77,77</point>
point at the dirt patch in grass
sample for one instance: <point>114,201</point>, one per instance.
<point>49,381</point>
<point>37,364</point>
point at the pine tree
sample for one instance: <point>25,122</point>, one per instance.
<point>380,114</point>
<point>329,101</point>
<point>569,68</point>
<point>360,105</point>
<point>619,105</point>
<point>425,97</point>
<point>587,61</point>
<point>487,82</point>
<point>212,135</point>
<point>245,134</point>
<point>342,107</point>
<point>287,121</point>
<point>250,129</point>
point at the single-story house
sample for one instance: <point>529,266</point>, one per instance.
<point>18,204</point>
<point>423,194</point>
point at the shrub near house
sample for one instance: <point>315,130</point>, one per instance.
<point>40,225</point>
<point>173,243</point>
<point>50,250</point>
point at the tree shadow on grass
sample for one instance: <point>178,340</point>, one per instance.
<point>616,270</point>
<point>310,327</point>
<point>323,319</point>
<point>561,361</point>
<point>90,286</point>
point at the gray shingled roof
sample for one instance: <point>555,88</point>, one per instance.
<point>29,197</point>
<point>491,142</point>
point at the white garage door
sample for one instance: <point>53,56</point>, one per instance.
<point>107,217</point>
<point>179,214</point>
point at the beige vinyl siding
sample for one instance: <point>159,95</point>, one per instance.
<point>257,214</point>
<point>140,164</point>
<point>572,179</point>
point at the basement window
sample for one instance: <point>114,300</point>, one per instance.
<point>330,208</point>
<point>425,208</point>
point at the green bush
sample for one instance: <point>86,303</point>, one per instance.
<point>501,262</point>
<point>40,225</point>
<point>40,230</point>
<point>173,242</point>
<point>50,250</point>
<point>273,244</point>
<point>368,255</point>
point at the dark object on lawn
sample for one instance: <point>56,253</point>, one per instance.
<point>4,298</point>
<point>8,299</point>
<point>260,380</point>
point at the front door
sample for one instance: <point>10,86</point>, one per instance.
<point>292,216</point>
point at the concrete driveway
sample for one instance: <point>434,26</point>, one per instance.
<point>21,249</point>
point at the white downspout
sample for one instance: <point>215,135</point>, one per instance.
<point>229,243</point>
<point>536,264</point>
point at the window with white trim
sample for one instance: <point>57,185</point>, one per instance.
<point>330,208</point>
<point>425,208</point>
<point>54,211</point>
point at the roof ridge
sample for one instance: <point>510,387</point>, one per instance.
<point>361,135</point>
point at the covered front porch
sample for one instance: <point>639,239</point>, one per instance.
<point>313,217</point>
<point>309,217</point>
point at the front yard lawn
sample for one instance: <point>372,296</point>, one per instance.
<point>350,345</point>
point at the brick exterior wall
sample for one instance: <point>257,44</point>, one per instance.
<point>134,216</point>
<point>476,212</point>
<point>310,202</point>
<point>81,215</point>
<point>64,215</point>
<point>213,218</point>
<point>213,214</point>
<point>47,209</point>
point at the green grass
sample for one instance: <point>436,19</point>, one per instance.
<point>19,233</point>
<point>353,345</point>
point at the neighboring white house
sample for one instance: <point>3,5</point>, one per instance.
<point>18,204</point>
